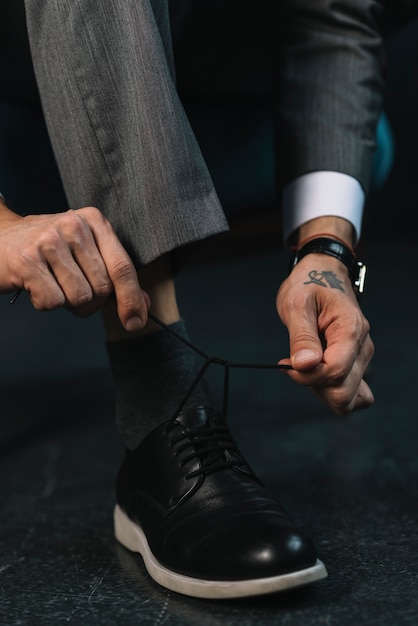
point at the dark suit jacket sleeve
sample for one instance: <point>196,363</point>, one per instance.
<point>329,86</point>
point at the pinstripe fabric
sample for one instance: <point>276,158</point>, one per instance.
<point>121,139</point>
<point>329,77</point>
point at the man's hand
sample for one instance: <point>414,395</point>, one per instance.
<point>330,345</point>
<point>73,260</point>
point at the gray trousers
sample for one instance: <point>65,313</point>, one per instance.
<point>122,142</point>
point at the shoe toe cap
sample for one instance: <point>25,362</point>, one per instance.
<point>243,553</point>
<point>279,552</point>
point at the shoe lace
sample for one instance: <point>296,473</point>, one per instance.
<point>209,360</point>
<point>213,447</point>
<point>212,360</point>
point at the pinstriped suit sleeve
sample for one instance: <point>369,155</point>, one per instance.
<point>330,75</point>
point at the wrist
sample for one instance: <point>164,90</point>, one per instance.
<point>332,227</point>
<point>337,249</point>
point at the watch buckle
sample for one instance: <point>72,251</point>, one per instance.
<point>359,283</point>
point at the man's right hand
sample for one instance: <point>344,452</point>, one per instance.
<point>73,260</point>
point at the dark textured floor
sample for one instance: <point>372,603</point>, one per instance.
<point>352,482</point>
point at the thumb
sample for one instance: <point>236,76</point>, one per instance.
<point>305,347</point>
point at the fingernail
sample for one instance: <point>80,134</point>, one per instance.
<point>134,323</point>
<point>304,355</point>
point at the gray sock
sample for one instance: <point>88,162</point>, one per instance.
<point>152,375</point>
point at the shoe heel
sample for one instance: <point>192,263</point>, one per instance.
<point>124,531</point>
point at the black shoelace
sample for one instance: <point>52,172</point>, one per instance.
<point>212,446</point>
<point>212,360</point>
<point>209,360</point>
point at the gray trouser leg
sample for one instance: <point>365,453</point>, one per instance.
<point>118,130</point>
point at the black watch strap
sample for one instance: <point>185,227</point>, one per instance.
<point>332,247</point>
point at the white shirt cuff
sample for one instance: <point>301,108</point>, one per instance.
<point>320,194</point>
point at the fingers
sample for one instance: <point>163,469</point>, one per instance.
<point>330,344</point>
<point>71,255</point>
<point>338,381</point>
<point>75,259</point>
<point>347,397</point>
<point>44,291</point>
<point>132,302</point>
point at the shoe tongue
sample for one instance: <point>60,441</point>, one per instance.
<point>196,418</point>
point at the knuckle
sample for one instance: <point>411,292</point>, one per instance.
<point>26,260</point>
<point>130,305</point>
<point>89,210</point>
<point>305,337</point>
<point>370,349</point>
<point>366,326</point>
<point>80,299</point>
<point>92,215</point>
<point>290,301</point>
<point>48,240</point>
<point>122,270</point>
<point>359,326</point>
<point>103,290</point>
<point>72,225</point>
<point>341,401</point>
<point>47,302</point>
<point>337,377</point>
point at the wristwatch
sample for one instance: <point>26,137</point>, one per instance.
<point>332,247</point>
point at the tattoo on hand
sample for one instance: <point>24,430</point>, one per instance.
<point>324,279</point>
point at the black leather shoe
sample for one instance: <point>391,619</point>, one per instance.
<point>205,526</point>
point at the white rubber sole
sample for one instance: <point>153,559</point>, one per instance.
<point>132,537</point>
